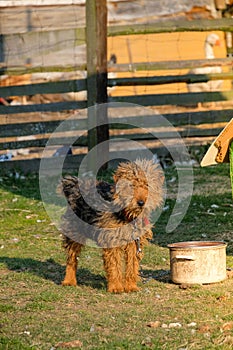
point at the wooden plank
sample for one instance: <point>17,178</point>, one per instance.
<point>175,99</point>
<point>169,26</point>
<point>42,142</point>
<point>71,164</point>
<point>47,107</point>
<point>176,119</point>
<point>166,65</point>
<point>144,100</point>
<point>168,133</point>
<point>27,144</point>
<point>44,88</point>
<point>141,66</point>
<point>38,128</point>
<point>200,117</point>
<point>169,79</point>
<point>80,84</point>
<point>123,123</point>
<point>9,69</point>
<point>13,3</point>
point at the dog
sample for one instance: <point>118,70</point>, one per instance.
<point>116,216</point>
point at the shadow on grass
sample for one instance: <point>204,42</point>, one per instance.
<point>158,275</point>
<point>19,184</point>
<point>50,270</point>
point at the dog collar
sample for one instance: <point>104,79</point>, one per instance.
<point>146,221</point>
<point>137,240</point>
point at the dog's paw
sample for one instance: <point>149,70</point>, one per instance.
<point>115,288</point>
<point>131,287</point>
<point>69,283</point>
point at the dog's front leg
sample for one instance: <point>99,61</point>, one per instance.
<point>113,266</point>
<point>132,268</point>
<point>73,251</point>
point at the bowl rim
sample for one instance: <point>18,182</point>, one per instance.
<point>197,245</point>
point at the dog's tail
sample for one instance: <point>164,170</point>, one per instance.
<point>68,185</point>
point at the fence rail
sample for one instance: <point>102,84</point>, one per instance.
<point>136,67</point>
<point>80,84</point>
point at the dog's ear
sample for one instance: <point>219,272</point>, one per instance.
<point>115,178</point>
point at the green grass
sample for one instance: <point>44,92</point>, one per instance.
<point>38,313</point>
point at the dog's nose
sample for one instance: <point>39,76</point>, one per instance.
<point>141,203</point>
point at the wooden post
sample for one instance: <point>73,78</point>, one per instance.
<point>29,29</point>
<point>2,52</point>
<point>96,39</point>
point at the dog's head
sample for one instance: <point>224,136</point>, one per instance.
<point>138,187</point>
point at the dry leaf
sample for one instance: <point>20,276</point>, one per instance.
<point>205,328</point>
<point>227,326</point>
<point>226,340</point>
<point>69,344</point>
<point>154,324</point>
<point>230,274</point>
<point>222,298</point>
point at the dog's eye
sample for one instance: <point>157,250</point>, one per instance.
<point>130,186</point>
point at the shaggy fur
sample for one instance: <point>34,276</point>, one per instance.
<point>116,217</point>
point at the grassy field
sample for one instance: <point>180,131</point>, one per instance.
<point>38,313</point>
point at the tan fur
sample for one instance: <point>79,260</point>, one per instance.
<point>120,227</point>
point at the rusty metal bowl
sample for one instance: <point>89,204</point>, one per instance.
<point>198,262</point>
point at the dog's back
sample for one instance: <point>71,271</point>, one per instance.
<point>81,194</point>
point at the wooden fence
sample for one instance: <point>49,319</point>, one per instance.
<point>29,126</point>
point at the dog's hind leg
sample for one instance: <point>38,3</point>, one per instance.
<point>132,268</point>
<point>73,251</point>
<point>113,266</point>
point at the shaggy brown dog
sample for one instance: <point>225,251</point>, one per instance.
<point>116,217</point>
